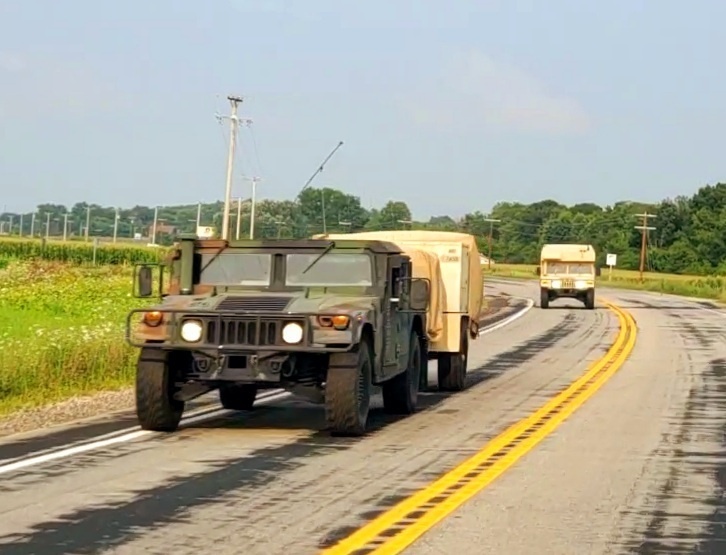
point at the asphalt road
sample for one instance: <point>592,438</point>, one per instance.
<point>639,468</point>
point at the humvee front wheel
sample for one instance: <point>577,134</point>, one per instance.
<point>238,396</point>
<point>452,366</point>
<point>544,298</point>
<point>156,408</point>
<point>400,394</point>
<point>590,299</point>
<point>348,390</point>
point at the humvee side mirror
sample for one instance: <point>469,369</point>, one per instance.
<point>537,270</point>
<point>598,271</point>
<point>144,282</point>
<point>419,299</point>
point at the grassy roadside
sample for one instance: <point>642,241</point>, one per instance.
<point>707,287</point>
<point>62,332</point>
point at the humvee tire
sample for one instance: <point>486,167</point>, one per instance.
<point>156,408</point>
<point>452,366</point>
<point>590,299</point>
<point>238,396</point>
<point>400,394</point>
<point>348,390</point>
<point>544,298</point>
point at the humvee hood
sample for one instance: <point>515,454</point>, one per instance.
<point>330,303</point>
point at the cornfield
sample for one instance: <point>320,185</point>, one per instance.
<point>80,253</point>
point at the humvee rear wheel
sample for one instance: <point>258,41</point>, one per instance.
<point>238,396</point>
<point>348,390</point>
<point>400,394</point>
<point>156,408</point>
<point>544,298</point>
<point>452,366</point>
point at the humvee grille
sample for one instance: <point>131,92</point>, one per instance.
<point>254,304</point>
<point>245,333</point>
<point>568,283</point>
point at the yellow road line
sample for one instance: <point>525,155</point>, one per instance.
<point>393,531</point>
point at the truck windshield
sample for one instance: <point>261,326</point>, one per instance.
<point>237,268</point>
<point>331,270</point>
<point>556,268</point>
<point>580,269</point>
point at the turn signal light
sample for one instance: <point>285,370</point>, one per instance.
<point>153,318</point>
<point>339,321</point>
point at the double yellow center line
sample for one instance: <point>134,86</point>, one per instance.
<point>393,531</point>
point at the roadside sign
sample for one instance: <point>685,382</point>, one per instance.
<point>612,260</point>
<point>205,232</point>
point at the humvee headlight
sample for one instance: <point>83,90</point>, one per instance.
<point>191,331</point>
<point>292,333</point>
<point>339,321</point>
<point>556,283</point>
<point>581,284</point>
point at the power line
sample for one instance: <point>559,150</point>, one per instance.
<point>644,228</point>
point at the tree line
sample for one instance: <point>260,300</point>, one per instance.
<point>689,235</point>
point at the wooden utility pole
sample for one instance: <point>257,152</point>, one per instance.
<point>644,228</point>
<point>491,233</point>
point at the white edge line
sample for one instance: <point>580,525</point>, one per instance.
<point>509,319</point>
<point>198,416</point>
<point>70,451</point>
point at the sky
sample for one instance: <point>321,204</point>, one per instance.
<point>450,107</point>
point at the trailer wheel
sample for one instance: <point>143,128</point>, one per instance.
<point>452,366</point>
<point>400,394</point>
<point>156,408</point>
<point>238,396</point>
<point>348,390</point>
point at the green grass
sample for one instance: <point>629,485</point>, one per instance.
<point>62,332</point>
<point>707,287</point>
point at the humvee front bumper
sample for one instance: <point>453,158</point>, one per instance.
<point>223,332</point>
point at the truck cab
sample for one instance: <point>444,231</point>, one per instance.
<point>324,320</point>
<point>567,271</point>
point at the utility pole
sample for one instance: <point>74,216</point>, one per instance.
<point>47,225</point>
<point>644,228</point>
<point>252,208</point>
<point>21,225</point>
<point>88,220</point>
<point>199,214</point>
<point>153,233</point>
<point>65,226</point>
<point>491,221</point>
<point>239,216</point>
<point>32,225</point>
<point>322,201</point>
<point>115,225</point>
<point>234,122</point>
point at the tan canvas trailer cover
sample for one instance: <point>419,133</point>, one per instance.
<point>463,294</point>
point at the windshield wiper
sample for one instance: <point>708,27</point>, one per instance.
<point>214,257</point>
<point>314,262</point>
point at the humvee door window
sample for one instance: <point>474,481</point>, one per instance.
<point>556,268</point>
<point>331,270</point>
<point>235,268</point>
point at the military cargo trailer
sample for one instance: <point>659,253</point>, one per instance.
<point>462,292</point>
<point>325,320</point>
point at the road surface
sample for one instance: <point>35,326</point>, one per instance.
<point>629,460</point>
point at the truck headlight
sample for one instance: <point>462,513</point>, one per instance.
<point>581,284</point>
<point>191,331</point>
<point>556,283</point>
<point>292,333</point>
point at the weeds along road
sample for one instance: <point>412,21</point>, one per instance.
<point>629,459</point>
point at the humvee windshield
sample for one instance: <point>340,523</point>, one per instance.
<point>581,268</point>
<point>331,270</point>
<point>237,268</point>
<point>556,268</point>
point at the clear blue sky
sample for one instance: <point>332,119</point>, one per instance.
<point>450,107</point>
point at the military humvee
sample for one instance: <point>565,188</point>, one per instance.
<point>567,271</point>
<point>325,320</point>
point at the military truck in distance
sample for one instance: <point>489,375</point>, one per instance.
<point>325,320</point>
<point>567,271</point>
